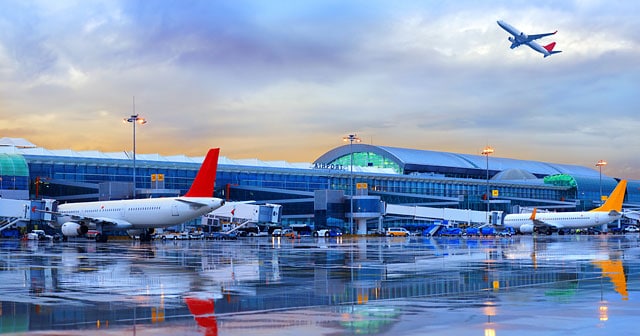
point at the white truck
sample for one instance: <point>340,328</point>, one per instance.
<point>38,235</point>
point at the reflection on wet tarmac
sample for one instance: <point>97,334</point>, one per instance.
<point>326,286</point>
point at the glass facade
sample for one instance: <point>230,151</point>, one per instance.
<point>14,172</point>
<point>64,176</point>
<point>367,159</point>
<point>57,176</point>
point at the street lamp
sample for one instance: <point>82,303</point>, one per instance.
<point>351,138</point>
<point>599,164</point>
<point>134,119</point>
<point>487,151</point>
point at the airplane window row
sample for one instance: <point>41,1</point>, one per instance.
<point>102,210</point>
<point>144,208</point>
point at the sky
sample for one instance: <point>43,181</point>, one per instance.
<point>287,80</point>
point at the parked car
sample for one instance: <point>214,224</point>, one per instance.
<point>453,231</point>
<point>276,233</point>
<point>38,235</point>
<point>472,231</point>
<point>397,232</point>
<point>91,234</point>
<point>10,233</point>
<point>332,232</point>
<point>505,233</point>
<point>631,228</point>
<point>289,233</point>
<point>196,235</point>
<point>221,236</point>
<point>375,232</point>
<point>175,236</point>
<point>487,231</point>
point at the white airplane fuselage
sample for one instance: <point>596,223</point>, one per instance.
<point>518,36</point>
<point>141,213</point>
<point>560,220</point>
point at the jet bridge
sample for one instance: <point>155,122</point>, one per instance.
<point>21,212</point>
<point>470,217</point>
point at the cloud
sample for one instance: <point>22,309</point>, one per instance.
<point>285,81</point>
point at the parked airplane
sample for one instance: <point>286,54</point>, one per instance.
<point>519,38</point>
<point>546,222</point>
<point>142,216</point>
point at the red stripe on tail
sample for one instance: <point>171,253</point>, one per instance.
<point>206,178</point>
<point>550,46</point>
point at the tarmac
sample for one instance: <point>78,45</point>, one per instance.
<point>524,285</point>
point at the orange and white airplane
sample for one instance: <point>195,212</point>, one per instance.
<point>610,211</point>
<point>142,216</point>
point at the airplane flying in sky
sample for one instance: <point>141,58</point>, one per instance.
<point>519,38</point>
<point>141,216</point>
<point>610,211</point>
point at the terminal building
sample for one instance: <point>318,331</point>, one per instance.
<point>329,192</point>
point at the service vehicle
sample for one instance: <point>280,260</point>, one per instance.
<point>397,232</point>
<point>38,235</point>
<point>332,232</point>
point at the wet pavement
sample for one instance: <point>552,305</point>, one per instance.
<point>524,285</point>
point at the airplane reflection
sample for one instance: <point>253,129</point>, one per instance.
<point>613,270</point>
<point>203,312</point>
<point>369,285</point>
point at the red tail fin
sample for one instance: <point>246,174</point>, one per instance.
<point>206,178</point>
<point>550,46</point>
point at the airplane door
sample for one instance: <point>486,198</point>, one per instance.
<point>174,210</point>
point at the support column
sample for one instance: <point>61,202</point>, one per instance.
<point>362,226</point>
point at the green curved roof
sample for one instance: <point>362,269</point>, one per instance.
<point>13,165</point>
<point>562,180</point>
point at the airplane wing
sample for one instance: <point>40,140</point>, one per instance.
<point>93,221</point>
<point>538,36</point>
<point>539,223</point>
<point>104,221</point>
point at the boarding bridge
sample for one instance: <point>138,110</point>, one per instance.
<point>240,212</point>
<point>20,212</point>
<point>236,215</point>
<point>471,217</point>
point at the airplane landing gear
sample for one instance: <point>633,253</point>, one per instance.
<point>101,238</point>
<point>147,235</point>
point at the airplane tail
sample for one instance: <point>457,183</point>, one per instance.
<point>614,202</point>
<point>549,48</point>
<point>533,214</point>
<point>205,179</point>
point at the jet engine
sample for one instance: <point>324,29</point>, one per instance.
<point>511,39</point>
<point>526,228</point>
<point>71,229</point>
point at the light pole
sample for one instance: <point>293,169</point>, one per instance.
<point>135,119</point>
<point>351,138</point>
<point>599,164</point>
<point>487,151</point>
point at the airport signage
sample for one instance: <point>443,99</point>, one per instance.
<point>329,166</point>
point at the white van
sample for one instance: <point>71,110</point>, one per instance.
<point>397,232</point>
